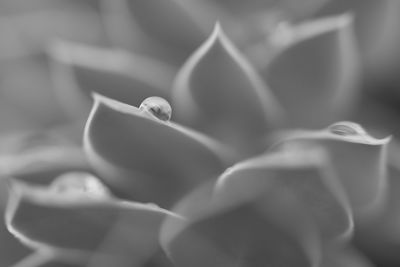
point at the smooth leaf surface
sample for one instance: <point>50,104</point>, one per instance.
<point>358,159</point>
<point>303,173</point>
<point>147,159</point>
<point>48,259</point>
<point>384,229</point>
<point>81,70</point>
<point>42,165</point>
<point>39,157</point>
<point>11,250</point>
<point>176,26</point>
<point>217,91</point>
<point>229,229</point>
<point>77,214</point>
<point>291,8</point>
<point>344,256</point>
<point>316,70</point>
<point>375,22</point>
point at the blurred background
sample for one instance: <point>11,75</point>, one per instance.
<point>30,100</point>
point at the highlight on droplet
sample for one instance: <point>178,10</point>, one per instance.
<point>157,107</point>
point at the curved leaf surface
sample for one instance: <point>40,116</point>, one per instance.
<point>304,174</point>
<point>76,214</point>
<point>251,228</point>
<point>147,159</point>
<point>81,70</point>
<point>219,92</point>
<point>358,160</point>
<point>315,71</point>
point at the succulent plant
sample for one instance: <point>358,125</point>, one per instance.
<point>234,149</point>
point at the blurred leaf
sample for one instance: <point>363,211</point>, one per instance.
<point>147,159</point>
<point>31,96</point>
<point>176,26</point>
<point>316,70</point>
<point>28,32</point>
<point>77,215</point>
<point>47,259</point>
<point>218,92</point>
<point>384,229</point>
<point>358,160</point>
<point>291,8</point>
<point>11,250</point>
<point>81,70</point>
<point>37,157</point>
<point>375,22</point>
<point>223,231</point>
<point>303,173</point>
<point>344,256</point>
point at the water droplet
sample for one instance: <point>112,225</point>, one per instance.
<point>79,183</point>
<point>346,128</point>
<point>158,107</point>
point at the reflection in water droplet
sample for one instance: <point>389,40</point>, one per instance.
<point>158,107</point>
<point>79,183</point>
<point>346,128</point>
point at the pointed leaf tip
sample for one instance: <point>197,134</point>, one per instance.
<point>218,91</point>
<point>358,159</point>
<point>328,81</point>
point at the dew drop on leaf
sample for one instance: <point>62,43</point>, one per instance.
<point>79,183</point>
<point>158,107</point>
<point>346,128</point>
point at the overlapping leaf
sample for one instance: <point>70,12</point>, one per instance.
<point>302,173</point>
<point>80,71</point>
<point>38,158</point>
<point>358,159</point>
<point>77,215</point>
<point>375,22</point>
<point>148,159</point>
<point>384,228</point>
<point>344,256</point>
<point>45,258</point>
<point>292,8</point>
<point>218,92</point>
<point>177,26</point>
<point>11,250</point>
<point>315,72</point>
<point>255,217</point>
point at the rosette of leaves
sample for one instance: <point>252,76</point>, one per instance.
<point>232,186</point>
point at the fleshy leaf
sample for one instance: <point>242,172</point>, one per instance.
<point>220,231</point>
<point>76,214</point>
<point>303,173</point>
<point>81,70</point>
<point>11,250</point>
<point>384,229</point>
<point>373,21</point>
<point>292,9</point>
<point>148,159</point>
<point>48,258</point>
<point>39,157</point>
<point>42,165</point>
<point>218,92</point>
<point>315,72</point>
<point>358,160</point>
<point>179,27</point>
<point>344,256</point>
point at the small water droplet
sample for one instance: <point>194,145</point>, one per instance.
<point>79,183</point>
<point>158,107</point>
<point>346,128</point>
